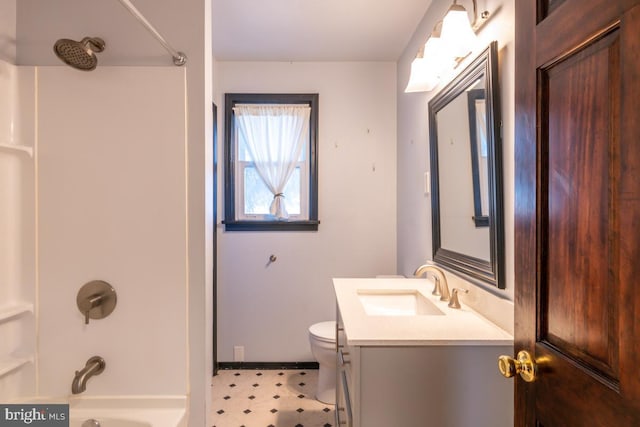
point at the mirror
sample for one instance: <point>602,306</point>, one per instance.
<point>466,170</point>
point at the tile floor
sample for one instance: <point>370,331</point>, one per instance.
<point>268,398</point>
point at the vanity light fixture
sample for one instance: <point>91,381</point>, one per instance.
<point>457,31</point>
<point>423,78</point>
<point>451,40</point>
<point>430,62</point>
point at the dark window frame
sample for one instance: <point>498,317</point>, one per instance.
<point>230,221</point>
<point>478,218</point>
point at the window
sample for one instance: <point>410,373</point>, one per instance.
<point>271,178</point>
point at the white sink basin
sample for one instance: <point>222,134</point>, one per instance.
<point>396,302</point>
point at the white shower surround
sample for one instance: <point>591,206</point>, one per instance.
<point>38,24</point>
<point>17,236</point>
<point>104,196</point>
<point>111,194</point>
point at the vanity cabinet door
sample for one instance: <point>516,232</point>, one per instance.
<point>344,415</point>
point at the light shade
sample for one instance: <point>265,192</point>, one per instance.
<point>432,61</point>
<point>423,77</point>
<point>457,34</point>
<point>436,52</point>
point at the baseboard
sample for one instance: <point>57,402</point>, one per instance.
<point>267,365</point>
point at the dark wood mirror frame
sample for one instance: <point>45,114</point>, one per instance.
<point>477,270</point>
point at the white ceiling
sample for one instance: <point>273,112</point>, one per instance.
<point>243,30</point>
<point>314,30</point>
<point>41,22</point>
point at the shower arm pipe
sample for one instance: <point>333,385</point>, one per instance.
<point>179,58</point>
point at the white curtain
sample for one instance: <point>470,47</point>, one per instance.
<point>275,135</point>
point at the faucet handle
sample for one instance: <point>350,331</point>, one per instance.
<point>437,290</point>
<point>96,300</point>
<point>454,302</point>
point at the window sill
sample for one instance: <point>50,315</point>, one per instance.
<point>310,225</point>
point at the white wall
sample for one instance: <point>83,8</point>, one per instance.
<point>112,206</point>
<point>414,209</point>
<point>268,309</point>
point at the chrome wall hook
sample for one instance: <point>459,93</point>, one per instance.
<point>272,259</point>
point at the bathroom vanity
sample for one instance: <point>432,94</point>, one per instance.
<point>406,359</point>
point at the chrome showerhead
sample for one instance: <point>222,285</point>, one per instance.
<point>80,55</point>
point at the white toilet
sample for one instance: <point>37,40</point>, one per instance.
<point>322,337</point>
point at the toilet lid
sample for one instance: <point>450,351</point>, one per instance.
<point>324,331</point>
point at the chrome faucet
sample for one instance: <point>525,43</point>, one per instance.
<point>94,366</point>
<point>442,287</point>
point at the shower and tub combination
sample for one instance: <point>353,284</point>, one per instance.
<point>90,401</point>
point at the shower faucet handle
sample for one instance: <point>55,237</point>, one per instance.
<point>96,300</point>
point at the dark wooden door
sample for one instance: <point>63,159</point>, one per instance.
<point>215,244</point>
<point>578,211</point>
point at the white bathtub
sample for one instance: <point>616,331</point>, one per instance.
<point>129,411</point>
<point>123,411</point>
<point>107,422</point>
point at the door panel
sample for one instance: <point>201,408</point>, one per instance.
<point>578,211</point>
<point>548,6</point>
<point>573,23</point>
<point>579,287</point>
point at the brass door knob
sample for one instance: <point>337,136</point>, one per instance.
<point>523,364</point>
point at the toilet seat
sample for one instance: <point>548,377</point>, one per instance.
<point>324,331</point>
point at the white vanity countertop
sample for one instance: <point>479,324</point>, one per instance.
<point>461,326</point>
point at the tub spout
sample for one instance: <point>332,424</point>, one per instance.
<point>94,366</point>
